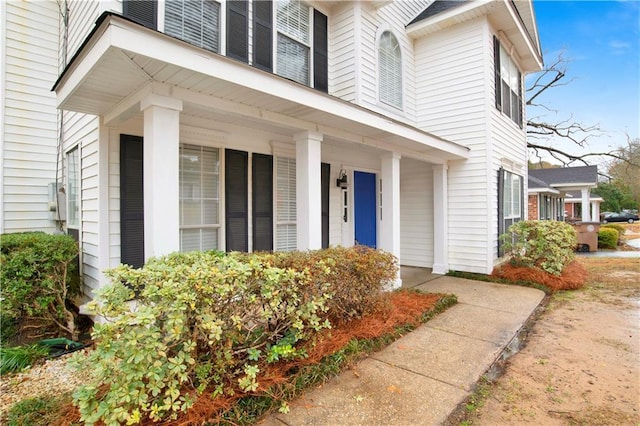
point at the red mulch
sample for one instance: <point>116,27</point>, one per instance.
<point>573,277</point>
<point>403,308</point>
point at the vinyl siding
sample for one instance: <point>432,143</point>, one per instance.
<point>342,55</point>
<point>452,103</point>
<point>416,213</point>
<point>30,120</point>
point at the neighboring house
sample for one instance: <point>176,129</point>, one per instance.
<point>259,125</point>
<point>565,192</point>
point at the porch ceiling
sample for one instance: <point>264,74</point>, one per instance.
<point>122,62</point>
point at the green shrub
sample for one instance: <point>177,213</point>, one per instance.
<point>40,279</point>
<point>545,244</point>
<point>356,276</point>
<point>621,230</point>
<point>607,238</point>
<point>13,359</point>
<point>202,322</point>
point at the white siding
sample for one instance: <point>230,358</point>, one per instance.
<point>416,213</point>
<point>452,103</point>
<point>29,122</point>
<point>342,54</point>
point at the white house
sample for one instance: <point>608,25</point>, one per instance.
<point>280,125</point>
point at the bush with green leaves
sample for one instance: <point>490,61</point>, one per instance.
<point>203,322</point>
<point>40,279</point>
<point>621,229</point>
<point>356,275</point>
<point>545,244</point>
<point>17,358</point>
<point>607,238</point>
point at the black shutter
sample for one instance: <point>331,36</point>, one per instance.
<point>501,229</point>
<point>262,35</point>
<point>236,187</point>
<point>320,54</point>
<point>262,202</point>
<point>144,12</point>
<point>238,30</point>
<point>496,66</point>
<point>325,172</point>
<point>520,111</point>
<point>131,201</point>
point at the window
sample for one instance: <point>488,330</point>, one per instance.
<point>73,188</point>
<point>194,21</point>
<point>293,22</point>
<point>286,239</point>
<point>510,209</point>
<point>390,70</point>
<point>199,197</point>
<point>508,84</point>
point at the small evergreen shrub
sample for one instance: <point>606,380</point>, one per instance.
<point>356,276</point>
<point>621,230</point>
<point>40,279</point>
<point>17,358</point>
<point>545,244</point>
<point>206,322</point>
<point>607,238</point>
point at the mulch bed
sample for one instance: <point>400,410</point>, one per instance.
<point>573,277</point>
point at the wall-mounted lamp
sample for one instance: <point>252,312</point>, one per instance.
<point>341,182</point>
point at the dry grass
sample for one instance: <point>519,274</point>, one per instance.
<point>612,273</point>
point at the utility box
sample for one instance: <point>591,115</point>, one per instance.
<point>587,233</point>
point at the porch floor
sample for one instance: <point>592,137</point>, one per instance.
<point>413,276</point>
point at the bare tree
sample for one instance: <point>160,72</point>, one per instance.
<point>541,133</point>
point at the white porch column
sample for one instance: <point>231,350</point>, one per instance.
<point>586,216</point>
<point>440,220</point>
<point>390,223</point>
<point>308,190</point>
<point>161,174</point>
<point>595,211</point>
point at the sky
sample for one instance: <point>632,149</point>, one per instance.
<point>601,41</point>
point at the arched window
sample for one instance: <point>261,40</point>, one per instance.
<point>390,70</point>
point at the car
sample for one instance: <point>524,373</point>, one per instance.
<point>620,217</point>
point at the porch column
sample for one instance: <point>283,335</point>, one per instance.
<point>586,216</point>
<point>390,215</point>
<point>440,220</point>
<point>595,211</point>
<point>161,174</point>
<point>308,190</point>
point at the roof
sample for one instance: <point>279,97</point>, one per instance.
<point>436,7</point>
<point>567,176</point>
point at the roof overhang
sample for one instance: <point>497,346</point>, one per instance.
<point>515,24</point>
<point>121,62</point>
<point>547,190</point>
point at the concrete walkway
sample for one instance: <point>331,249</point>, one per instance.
<point>422,377</point>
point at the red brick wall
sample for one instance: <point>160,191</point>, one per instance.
<point>533,207</point>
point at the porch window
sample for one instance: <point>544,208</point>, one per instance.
<point>194,21</point>
<point>510,199</point>
<point>199,197</point>
<point>508,84</point>
<point>390,70</point>
<point>286,232</point>
<point>73,188</point>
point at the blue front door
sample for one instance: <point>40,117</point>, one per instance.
<point>364,187</point>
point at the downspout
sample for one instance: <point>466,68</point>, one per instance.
<point>63,7</point>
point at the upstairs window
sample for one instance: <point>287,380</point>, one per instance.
<point>508,84</point>
<point>390,70</point>
<point>293,22</point>
<point>194,21</point>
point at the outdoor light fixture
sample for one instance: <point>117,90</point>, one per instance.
<point>341,182</point>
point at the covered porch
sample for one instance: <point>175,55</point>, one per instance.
<point>176,97</point>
